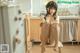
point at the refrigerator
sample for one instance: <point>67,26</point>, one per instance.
<point>11,21</point>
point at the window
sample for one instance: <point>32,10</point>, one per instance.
<point>37,7</point>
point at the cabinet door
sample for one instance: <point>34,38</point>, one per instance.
<point>35,29</point>
<point>14,26</point>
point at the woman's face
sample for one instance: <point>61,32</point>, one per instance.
<point>52,11</point>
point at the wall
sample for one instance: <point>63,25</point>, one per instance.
<point>24,5</point>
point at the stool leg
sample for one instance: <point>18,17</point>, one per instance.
<point>28,51</point>
<point>43,48</point>
<point>59,50</point>
<point>78,43</point>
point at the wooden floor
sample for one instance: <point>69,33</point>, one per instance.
<point>66,49</point>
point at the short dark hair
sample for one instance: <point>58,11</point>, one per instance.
<point>51,4</point>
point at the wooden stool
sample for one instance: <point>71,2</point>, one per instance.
<point>51,46</point>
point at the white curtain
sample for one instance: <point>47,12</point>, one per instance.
<point>68,30</point>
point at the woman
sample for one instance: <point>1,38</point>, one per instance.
<point>50,26</point>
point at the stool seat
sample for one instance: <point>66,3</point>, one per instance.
<point>60,45</point>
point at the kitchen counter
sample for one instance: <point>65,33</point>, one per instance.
<point>62,17</point>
